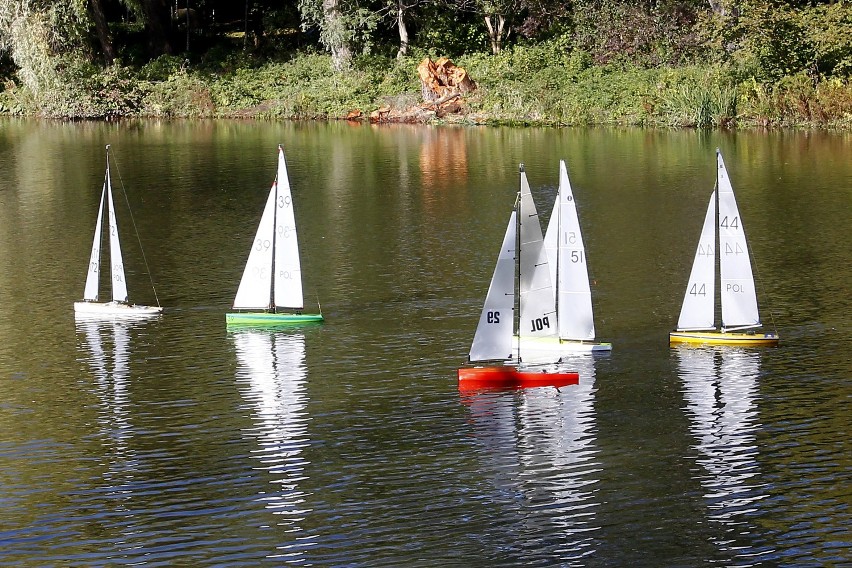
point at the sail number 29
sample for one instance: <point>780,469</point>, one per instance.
<point>493,317</point>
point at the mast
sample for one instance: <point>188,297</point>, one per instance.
<point>559,320</point>
<point>717,257</point>
<point>516,285</point>
<point>274,238</point>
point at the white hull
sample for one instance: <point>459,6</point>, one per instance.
<point>559,346</point>
<point>114,309</point>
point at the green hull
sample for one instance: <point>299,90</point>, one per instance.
<point>269,319</point>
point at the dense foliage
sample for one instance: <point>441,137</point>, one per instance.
<point>659,62</point>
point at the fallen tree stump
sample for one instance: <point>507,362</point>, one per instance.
<point>442,87</point>
<point>440,79</point>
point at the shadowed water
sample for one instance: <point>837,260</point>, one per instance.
<point>177,442</point>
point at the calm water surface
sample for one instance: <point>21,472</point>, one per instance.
<point>176,442</point>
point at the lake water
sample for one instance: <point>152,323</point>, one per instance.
<point>176,442</point>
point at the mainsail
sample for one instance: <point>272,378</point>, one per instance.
<point>288,271</point>
<point>739,298</point>
<point>574,295</point>
<point>119,284</point>
<point>537,302</point>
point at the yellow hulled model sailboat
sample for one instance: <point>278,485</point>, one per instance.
<point>740,318</point>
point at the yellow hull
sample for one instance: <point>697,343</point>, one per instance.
<point>724,338</point>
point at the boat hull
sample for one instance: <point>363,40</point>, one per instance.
<point>560,346</point>
<point>267,319</point>
<point>723,338</point>
<point>508,377</point>
<point>114,309</point>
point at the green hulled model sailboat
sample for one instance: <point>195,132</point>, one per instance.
<point>270,291</point>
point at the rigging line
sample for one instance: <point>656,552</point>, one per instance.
<point>135,230</point>
<point>759,282</point>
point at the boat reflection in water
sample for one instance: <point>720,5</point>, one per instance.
<point>720,386</point>
<point>540,446</point>
<point>105,346</point>
<point>271,376</point>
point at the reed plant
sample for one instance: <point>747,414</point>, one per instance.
<point>704,104</point>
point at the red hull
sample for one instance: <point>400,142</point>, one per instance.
<point>483,378</point>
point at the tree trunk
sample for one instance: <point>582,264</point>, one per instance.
<point>724,8</point>
<point>495,34</point>
<point>336,35</point>
<point>403,30</point>
<point>156,14</point>
<point>96,9</point>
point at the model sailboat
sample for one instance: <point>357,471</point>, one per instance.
<point>270,291</point>
<point>740,317</point>
<point>493,340</point>
<point>566,258</point>
<point>119,306</point>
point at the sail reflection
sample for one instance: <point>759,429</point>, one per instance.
<point>106,348</point>
<point>544,446</point>
<point>271,375</point>
<point>720,387</point>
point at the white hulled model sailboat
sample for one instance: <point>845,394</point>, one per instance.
<point>566,259</point>
<point>119,306</point>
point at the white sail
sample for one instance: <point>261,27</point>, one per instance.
<point>255,289</point>
<point>119,306</point>
<point>699,300</point>
<point>493,337</point>
<point>288,271</point>
<point>739,299</point>
<point>119,284</point>
<point>93,276</point>
<point>537,302</point>
<point>574,301</point>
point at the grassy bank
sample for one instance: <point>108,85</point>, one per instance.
<point>540,85</point>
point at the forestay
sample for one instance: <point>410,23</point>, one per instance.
<point>255,289</point>
<point>493,337</point>
<point>93,275</point>
<point>698,307</point>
